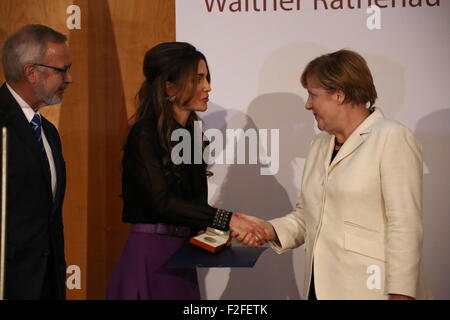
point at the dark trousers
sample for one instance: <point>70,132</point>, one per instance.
<point>49,288</point>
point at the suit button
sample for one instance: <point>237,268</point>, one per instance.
<point>46,253</point>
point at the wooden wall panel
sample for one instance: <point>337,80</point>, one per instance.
<point>134,26</point>
<point>108,53</point>
<point>74,129</point>
<point>119,35</point>
<point>108,123</point>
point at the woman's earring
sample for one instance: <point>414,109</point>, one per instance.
<point>172,99</point>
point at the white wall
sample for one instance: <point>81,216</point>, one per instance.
<point>256,59</point>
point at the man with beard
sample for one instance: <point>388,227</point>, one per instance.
<point>36,63</point>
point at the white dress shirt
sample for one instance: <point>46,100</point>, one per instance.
<point>29,113</point>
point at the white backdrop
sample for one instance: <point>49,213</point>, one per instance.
<point>256,58</point>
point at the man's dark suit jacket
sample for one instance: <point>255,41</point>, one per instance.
<point>35,241</point>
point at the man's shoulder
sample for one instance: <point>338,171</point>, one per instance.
<point>9,107</point>
<point>5,96</point>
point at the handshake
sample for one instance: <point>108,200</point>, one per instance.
<point>251,231</point>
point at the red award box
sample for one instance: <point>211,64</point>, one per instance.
<point>212,240</point>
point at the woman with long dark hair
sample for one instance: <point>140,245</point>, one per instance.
<point>165,200</point>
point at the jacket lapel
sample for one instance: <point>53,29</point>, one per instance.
<point>354,141</point>
<point>57,159</point>
<point>18,121</point>
<point>328,151</point>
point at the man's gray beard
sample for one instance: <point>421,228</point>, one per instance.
<point>47,99</point>
<point>51,100</point>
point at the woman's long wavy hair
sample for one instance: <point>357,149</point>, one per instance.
<point>177,63</point>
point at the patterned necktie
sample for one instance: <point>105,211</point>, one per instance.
<point>37,128</point>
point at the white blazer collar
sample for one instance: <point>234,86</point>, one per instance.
<point>353,142</point>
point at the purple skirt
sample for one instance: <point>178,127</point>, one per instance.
<point>142,274</point>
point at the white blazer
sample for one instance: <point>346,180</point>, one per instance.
<point>360,217</point>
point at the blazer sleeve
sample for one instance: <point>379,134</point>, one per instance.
<point>401,171</point>
<point>290,229</point>
<point>141,158</point>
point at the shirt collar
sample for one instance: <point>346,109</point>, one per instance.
<point>27,110</point>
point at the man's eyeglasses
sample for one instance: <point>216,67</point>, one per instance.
<point>61,70</point>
